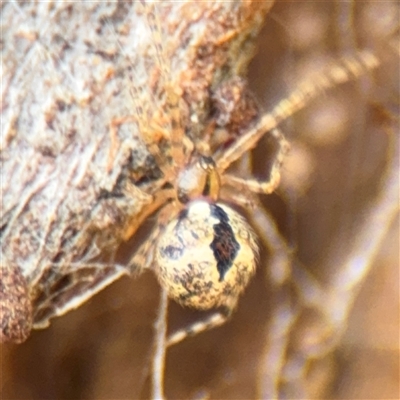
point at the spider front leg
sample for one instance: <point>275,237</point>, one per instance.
<point>265,187</point>
<point>348,68</point>
<point>173,94</point>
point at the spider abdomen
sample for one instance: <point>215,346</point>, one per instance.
<point>206,256</point>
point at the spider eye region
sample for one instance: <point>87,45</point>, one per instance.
<point>206,256</point>
<point>200,178</point>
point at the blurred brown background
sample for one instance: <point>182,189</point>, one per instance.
<point>340,151</point>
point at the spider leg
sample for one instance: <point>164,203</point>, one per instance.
<point>269,186</point>
<point>160,198</point>
<point>346,69</point>
<point>143,257</point>
<point>243,200</point>
<point>172,108</point>
<point>160,350</point>
<point>278,273</point>
<point>213,321</point>
<point>151,132</point>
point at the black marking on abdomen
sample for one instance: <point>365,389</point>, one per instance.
<point>224,244</point>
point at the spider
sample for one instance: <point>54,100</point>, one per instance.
<point>202,250</point>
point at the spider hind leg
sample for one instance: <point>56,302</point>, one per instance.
<point>212,321</point>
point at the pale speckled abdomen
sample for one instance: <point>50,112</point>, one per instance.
<point>206,256</point>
